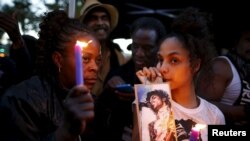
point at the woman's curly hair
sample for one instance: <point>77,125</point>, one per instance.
<point>57,32</point>
<point>193,29</point>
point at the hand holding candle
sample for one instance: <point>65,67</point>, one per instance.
<point>78,59</point>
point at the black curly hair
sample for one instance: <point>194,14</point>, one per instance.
<point>162,94</point>
<point>193,28</point>
<point>149,23</point>
<point>57,32</point>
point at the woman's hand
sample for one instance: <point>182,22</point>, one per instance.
<point>79,108</point>
<point>114,81</point>
<point>149,75</point>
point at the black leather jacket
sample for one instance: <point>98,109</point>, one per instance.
<point>32,110</point>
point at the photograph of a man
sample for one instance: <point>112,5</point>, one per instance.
<point>159,102</point>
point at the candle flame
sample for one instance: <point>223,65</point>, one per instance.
<point>198,127</point>
<point>83,44</point>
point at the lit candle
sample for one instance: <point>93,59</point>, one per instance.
<point>71,9</point>
<point>195,132</point>
<point>78,59</point>
<point>194,136</point>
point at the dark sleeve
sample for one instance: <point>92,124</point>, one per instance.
<point>24,117</point>
<point>23,62</point>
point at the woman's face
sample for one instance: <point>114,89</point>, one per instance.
<point>174,63</point>
<point>91,58</point>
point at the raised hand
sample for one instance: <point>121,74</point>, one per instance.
<point>79,109</point>
<point>149,75</point>
<point>10,25</point>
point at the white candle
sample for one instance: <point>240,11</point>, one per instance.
<point>71,8</point>
<point>79,66</point>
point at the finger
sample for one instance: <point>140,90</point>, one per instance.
<point>116,81</point>
<point>153,74</point>
<point>79,100</point>
<point>77,108</point>
<point>157,70</point>
<point>142,76</point>
<point>78,90</point>
<point>158,65</point>
<point>140,73</point>
<point>146,72</point>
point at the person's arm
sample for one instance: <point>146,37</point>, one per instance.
<point>18,50</point>
<point>22,119</point>
<point>10,25</point>
<point>29,118</point>
<point>135,131</point>
<point>212,84</point>
<point>213,81</point>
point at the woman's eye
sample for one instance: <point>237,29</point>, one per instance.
<point>85,59</point>
<point>174,60</point>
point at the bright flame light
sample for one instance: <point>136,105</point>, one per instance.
<point>83,44</point>
<point>198,127</point>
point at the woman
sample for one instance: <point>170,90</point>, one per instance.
<point>181,55</point>
<point>50,106</point>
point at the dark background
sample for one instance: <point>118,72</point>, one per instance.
<point>227,16</point>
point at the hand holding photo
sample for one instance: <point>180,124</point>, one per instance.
<point>154,77</point>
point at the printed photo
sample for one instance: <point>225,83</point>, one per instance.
<point>155,116</point>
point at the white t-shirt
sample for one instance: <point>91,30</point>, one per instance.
<point>206,113</point>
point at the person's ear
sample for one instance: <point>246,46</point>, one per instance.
<point>57,59</point>
<point>196,65</point>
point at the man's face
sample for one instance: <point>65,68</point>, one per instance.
<point>99,22</point>
<point>144,42</point>
<point>156,102</point>
<point>243,46</point>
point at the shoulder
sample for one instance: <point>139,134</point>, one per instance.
<point>222,67</point>
<point>220,63</point>
<point>27,89</point>
<point>212,111</point>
